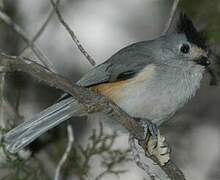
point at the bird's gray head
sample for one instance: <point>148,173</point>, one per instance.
<point>184,46</point>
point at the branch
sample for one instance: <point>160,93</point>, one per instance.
<point>72,34</point>
<point>151,165</point>
<point>171,16</point>
<point>145,163</point>
<point>66,153</point>
<point>40,31</point>
<point>18,30</point>
<point>90,101</point>
<point>48,64</point>
<point>7,112</point>
<point>92,62</point>
<point>2,86</point>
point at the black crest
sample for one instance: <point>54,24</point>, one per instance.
<point>185,25</point>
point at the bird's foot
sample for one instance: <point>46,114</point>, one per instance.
<point>154,143</point>
<point>159,148</point>
<point>150,129</point>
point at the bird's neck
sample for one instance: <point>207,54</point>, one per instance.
<point>180,86</point>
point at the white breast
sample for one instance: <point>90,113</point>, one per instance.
<point>159,97</point>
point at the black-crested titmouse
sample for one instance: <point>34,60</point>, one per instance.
<point>150,80</point>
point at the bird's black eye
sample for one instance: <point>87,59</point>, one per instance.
<point>185,48</point>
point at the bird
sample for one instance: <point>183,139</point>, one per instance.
<point>150,80</point>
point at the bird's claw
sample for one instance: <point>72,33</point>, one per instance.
<point>150,129</point>
<point>154,143</point>
<point>159,148</point>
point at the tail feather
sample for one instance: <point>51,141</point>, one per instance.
<point>24,134</point>
<point>12,134</point>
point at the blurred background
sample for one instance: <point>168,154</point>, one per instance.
<point>103,27</point>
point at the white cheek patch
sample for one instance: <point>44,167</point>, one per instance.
<point>197,52</point>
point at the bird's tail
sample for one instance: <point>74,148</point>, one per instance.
<point>25,133</point>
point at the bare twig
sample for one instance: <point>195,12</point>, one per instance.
<point>172,13</point>
<point>2,85</point>
<point>66,153</point>
<point>7,112</point>
<point>45,61</point>
<point>92,62</point>
<point>90,101</point>
<point>145,163</point>
<point>11,113</point>
<point>101,144</point>
<point>48,64</point>
<point>16,28</point>
<point>6,19</point>
<point>40,31</point>
<point>72,34</point>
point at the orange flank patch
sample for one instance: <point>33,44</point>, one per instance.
<point>111,90</point>
<point>114,90</point>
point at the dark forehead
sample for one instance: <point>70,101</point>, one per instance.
<point>186,26</point>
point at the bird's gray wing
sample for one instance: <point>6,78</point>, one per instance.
<point>125,64</point>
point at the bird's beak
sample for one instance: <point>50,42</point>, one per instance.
<point>204,61</point>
